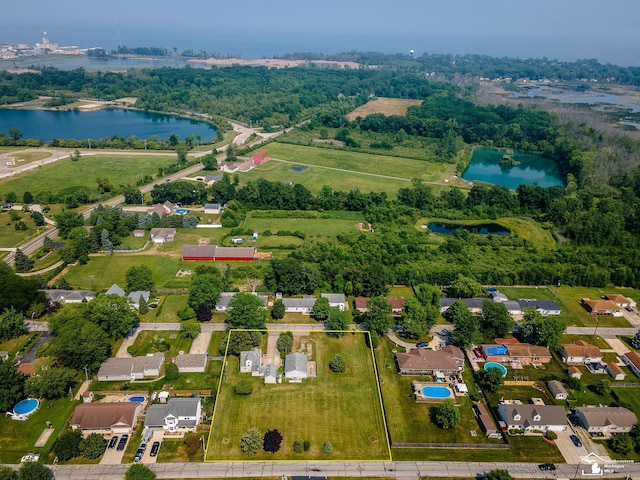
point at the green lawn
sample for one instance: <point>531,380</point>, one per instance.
<point>341,408</point>
<point>597,340</point>
<point>66,176</point>
<point>10,237</point>
<point>18,438</point>
<point>169,307</point>
<point>317,228</point>
<point>148,339</point>
<point>571,297</point>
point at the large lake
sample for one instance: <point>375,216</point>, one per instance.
<point>533,170</point>
<point>47,124</point>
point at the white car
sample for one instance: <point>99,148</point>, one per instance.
<point>32,457</point>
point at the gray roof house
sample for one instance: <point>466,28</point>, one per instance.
<point>191,362</point>
<point>135,297</point>
<point>557,390</point>
<point>336,300</point>
<point>116,290</point>
<point>162,235</point>
<point>295,367</point>
<point>212,208</point>
<point>299,305</point>
<point>474,304</point>
<point>68,296</point>
<point>606,419</point>
<point>223,301</point>
<point>135,368</point>
<point>532,418</point>
<point>270,373</point>
<point>251,361</point>
<point>177,415</point>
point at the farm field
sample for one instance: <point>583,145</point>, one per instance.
<point>341,408</point>
<point>384,105</point>
<point>69,176</point>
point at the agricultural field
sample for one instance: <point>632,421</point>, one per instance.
<point>67,177</point>
<point>386,106</point>
<point>343,408</point>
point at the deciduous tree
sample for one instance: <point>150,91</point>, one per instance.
<point>12,324</point>
<point>113,314</point>
<point>22,262</point>
<point>467,331</point>
<point>285,343</point>
<point>446,415</point>
<point>92,446</point>
<point>378,316</point>
<point>190,329</point>
<point>67,221</point>
<point>205,289</point>
<point>11,385</point>
<point>67,445</point>
<point>278,310</point>
<point>337,322</point>
<point>139,278</point>
<point>321,309</point>
<point>34,471</point>
<point>138,471</point>
<point>51,383</point>
<point>496,320</point>
<point>246,311</point>
<point>338,364</point>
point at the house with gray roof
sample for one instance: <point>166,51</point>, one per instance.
<point>134,298</point>
<point>177,415</point>
<point>212,208</point>
<point>295,367</point>
<point>606,419</point>
<point>557,390</point>
<point>134,368</point>
<point>162,235</point>
<point>251,361</point>
<point>533,418</point>
<point>63,297</point>
<point>545,307</point>
<point>336,300</point>
<point>191,362</point>
<point>299,305</point>
<point>269,373</point>
<point>474,304</point>
<point>116,290</point>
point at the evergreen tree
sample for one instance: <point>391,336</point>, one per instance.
<point>22,263</point>
<point>105,241</point>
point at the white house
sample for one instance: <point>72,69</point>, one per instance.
<point>632,360</point>
<point>615,371</point>
<point>557,390</point>
<point>532,418</point>
<point>606,419</point>
<point>162,235</point>
<point>63,297</point>
<point>336,300</point>
<point>127,369</point>
<point>134,298</point>
<point>299,305</point>
<point>212,208</point>
<point>580,352</point>
<point>116,290</point>
<point>177,415</point>
<point>295,367</point>
<point>251,361</point>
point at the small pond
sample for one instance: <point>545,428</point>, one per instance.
<point>482,229</point>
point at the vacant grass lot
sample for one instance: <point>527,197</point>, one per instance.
<point>384,105</point>
<point>341,408</point>
<point>318,228</point>
<point>66,176</point>
<point>10,237</point>
<point>148,340</point>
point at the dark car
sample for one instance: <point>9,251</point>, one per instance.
<point>422,344</point>
<point>154,449</point>
<point>143,447</point>
<point>122,442</point>
<point>113,441</point>
<point>547,467</point>
<point>576,441</point>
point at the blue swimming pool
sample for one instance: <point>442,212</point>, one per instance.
<point>502,368</point>
<point>182,211</point>
<point>436,392</point>
<point>136,398</point>
<point>26,406</point>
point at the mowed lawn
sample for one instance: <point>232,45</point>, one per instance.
<point>66,176</point>
<point>321,228</point>
<point>343,409</point>
<point>314,178</point>
<point>384,105</point>
<point>571,297</point>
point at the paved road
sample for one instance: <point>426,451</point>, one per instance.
<point>332,469</point>
<point>603,332</point>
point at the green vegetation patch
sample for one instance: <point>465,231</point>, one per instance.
<point>343,409</point>
<point>152,341</point>
<point>571,297</point>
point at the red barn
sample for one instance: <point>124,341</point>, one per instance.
<point>214,253</point>
<point>260,157</point>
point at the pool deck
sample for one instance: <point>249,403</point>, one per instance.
<point>420,398</point>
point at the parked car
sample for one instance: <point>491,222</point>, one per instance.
<point>113,442</point>
<point>138,455</point>
<point>422,344</point>
<point>576,441</point>
<point>547,467</point>
<point>154,449</point>
<point>143,447</point>
<point>122,442</point>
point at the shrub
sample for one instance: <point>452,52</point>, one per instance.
<point>327,448</point>
<point>93,446</point>
<point>272,441</point>
<point>187,313</point>
<point>68,445</point>
<point>573,383</point>
<point>192,445</point>
<point>551,435</point>
<point>244,387</point>
<point>252,441</point>
<point>298,446</point>
<point>171,372</point>
<point>307,445</point>
<point>338,364</point>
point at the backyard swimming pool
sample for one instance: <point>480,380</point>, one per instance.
<point>25,407</point>
<point>136,398</point>
<point>182,211</point>
<point>436,392</point>
<point>502,368</point>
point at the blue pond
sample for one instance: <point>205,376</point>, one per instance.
<point>26,406</point>
<point>481,229</point>
<point>436,392</point>
<point>502,368</point>
<point>298,168</point>
<point>138,399</point>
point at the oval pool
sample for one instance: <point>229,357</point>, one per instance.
<point>502,368</point>
<point>136,398</point>
<point>436,392</point>
<point>26,406</point>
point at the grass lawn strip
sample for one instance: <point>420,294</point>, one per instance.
<point>344,408</point>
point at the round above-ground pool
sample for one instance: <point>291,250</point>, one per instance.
<point>502,368</point>
<point>136,398</point>
<point>436,392</point>
<point>26,407</point>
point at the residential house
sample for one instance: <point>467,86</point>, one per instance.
<point>134,298</point>
<point>632,360</point>
<point>63,297</point>
<point>606,419</point>
<point>251,361</point>
<point>533,418</point>
<point>620,300</point>
<point>523,353</point>
<point>212,208</point>
<point>486,421</point>
<point>115,418</point>
<point>162,235</point>
<point>360,304</point>
<point>177,415</point>
<point>557,390</point>
<point>601,307</point>
<point>544,307</point>
<point>615,371</point>
<point>580,352</point>
<point>299,305</point>
<point>222,305</point>
<point>447,361</point>
<point>211,179</point>
<point>134,368</point>
<point>228,167</point>
<point>219,254</point>
<point>498,297</point>
<point>396,304</point>
<point>295,367</point>
<point>191,362</point>
<point>116,290</point>
<point>269,373</point>
<point>474,304</point>
<point>167,208</point>
<point>336,300</point>
<point>260,157</point>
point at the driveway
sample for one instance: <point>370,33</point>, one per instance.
<point>618,345</point>
<point>156,437</point>
<point>573,454</point>
<point>201,343</point>
<point>112,456</point>
<point>273,355</point>
<point>127,342</point>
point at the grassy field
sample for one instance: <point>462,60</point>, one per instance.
<point>386,106</point>
<point>148,339</point>
<point>318,228</point>
<point>10,237</point>
<point>571,297</point>
<point>66,176</point>
<point>18,438</point>
<point>169,306</point>
<point>341,408</point>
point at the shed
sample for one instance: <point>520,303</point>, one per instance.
<point>557,390</point>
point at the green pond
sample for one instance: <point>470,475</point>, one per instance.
<point>531,170</point>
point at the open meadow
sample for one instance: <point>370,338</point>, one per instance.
<point>341,408</point>
<point>384,105</point>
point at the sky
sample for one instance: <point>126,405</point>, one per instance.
<point>560,27</point>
